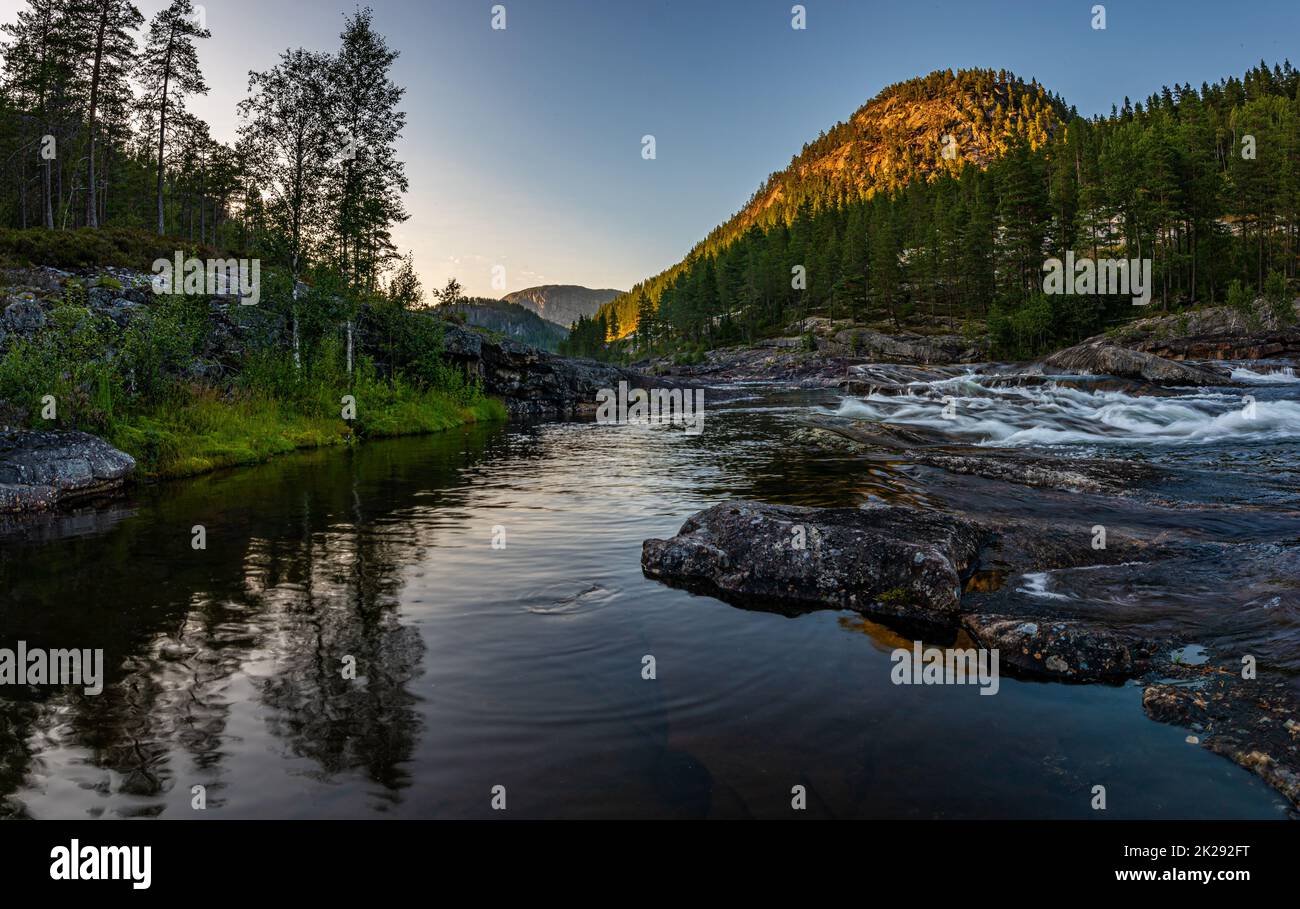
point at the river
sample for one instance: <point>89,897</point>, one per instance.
<point>486,583</point>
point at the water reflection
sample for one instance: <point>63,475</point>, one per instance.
<point>522,666</point>
<point>283,600</point>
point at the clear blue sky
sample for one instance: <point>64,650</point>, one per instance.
<point>523,146</point>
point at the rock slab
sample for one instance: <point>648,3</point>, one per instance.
<point>1102,357</point>
<point>889,561</point>
<point>1058,649</point>
<point>39,469</point>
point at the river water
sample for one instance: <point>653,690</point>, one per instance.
<point>520,664</point>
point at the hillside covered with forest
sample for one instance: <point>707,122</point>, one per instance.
<point>938,202</point>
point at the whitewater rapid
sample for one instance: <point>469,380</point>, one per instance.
<point>991,410</point>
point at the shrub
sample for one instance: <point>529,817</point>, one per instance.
<point>88,247</point>
<point>1240,296</point>
<point>1278,297</point>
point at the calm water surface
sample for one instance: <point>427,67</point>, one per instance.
<point>522,666</point>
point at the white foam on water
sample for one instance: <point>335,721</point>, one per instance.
<point>1053,414</point>
<point>1036,586</point>
<point>1284,375</point>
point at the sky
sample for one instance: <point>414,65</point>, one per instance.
<point>524,146</point>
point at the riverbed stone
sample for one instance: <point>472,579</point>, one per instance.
<point>888,561</point>
<point>1068,650</point>
<point>1244,720</point>
<point>40,469</point>
<point>1100,356</point>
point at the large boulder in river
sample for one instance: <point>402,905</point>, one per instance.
<point>889,561</point>
<point>1101,356</point>
<point>41,469</point>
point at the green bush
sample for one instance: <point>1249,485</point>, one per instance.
<point>1278,296</point>
<point>1240,296</point>
<point>129,385</point>
<point>68,360</point>
<point>158,344</point>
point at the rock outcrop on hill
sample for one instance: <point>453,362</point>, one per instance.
<point>532,382</point>
<point>1219,333</point>
<point>562,303</point>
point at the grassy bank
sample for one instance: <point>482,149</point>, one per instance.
<point>207,432</point>
<point>151,388</point>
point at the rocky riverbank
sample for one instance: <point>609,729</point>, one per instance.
<point>819,352</point>
<point>937,572</point>
<point>919,571</point>
<point>110,313</point>
<point>43,470</point>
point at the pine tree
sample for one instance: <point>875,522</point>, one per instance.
<point>169,71</point>
<point>111,24</point>
<point>39,66</point>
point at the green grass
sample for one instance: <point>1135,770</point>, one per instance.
<point>204,432</point>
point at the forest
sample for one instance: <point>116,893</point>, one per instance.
<point>94,132</point>
<point>948,226</point>
<point>104,165</point>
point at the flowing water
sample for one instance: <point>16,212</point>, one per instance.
<point>522,665</point>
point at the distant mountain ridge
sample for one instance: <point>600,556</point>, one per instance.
<point>509,319</point>
<point>562,303</point>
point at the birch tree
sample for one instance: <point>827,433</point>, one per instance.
<point>292,136</point>
<point>365,189</point>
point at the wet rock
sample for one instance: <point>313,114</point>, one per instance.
<point>1092,475</point>
<point>827,354</point>
<point>175,651</point>
<point>796,367</point>
<point>1026,546</point>
<point>40,469</point>
<point>887,561</point>
<point>1101,356</point>
<point>1244,720</point>
<point>903,347</point>
<point>1069,650</point>
<point>895,380</point>
<point>868,434</point>
<point>815,438</point>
